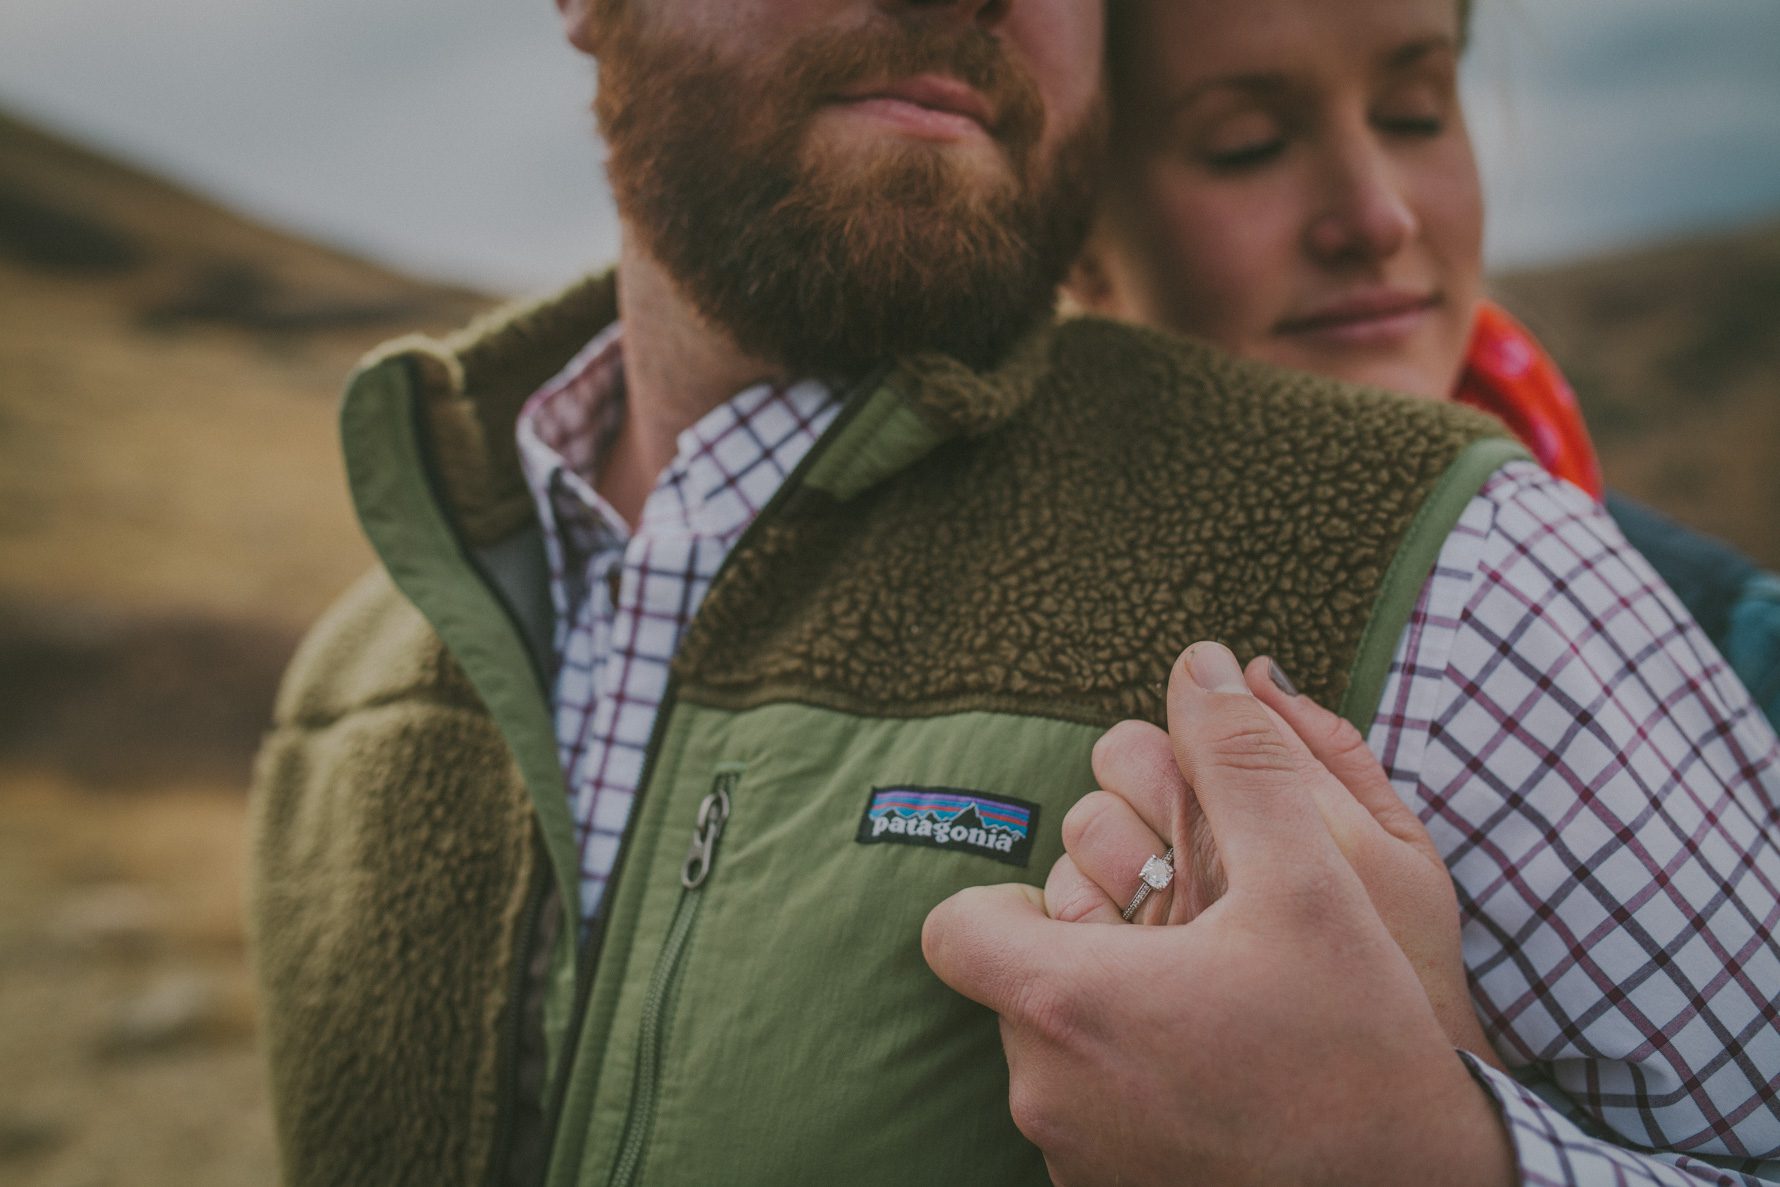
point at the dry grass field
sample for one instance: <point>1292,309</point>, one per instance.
<point>1675,353</point>
<point>172,512</point>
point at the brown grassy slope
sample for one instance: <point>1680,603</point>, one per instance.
<point>169,374</point>
<point>126,1009</point>
<point>1675,353</point>
<point>172,505</point>
<point>172,512</point>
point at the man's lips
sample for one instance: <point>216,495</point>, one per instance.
<point>932,106</point>
<point>1373,316</point>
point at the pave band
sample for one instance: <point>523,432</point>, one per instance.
<point>1156,874</point>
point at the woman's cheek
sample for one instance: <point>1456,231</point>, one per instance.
<point>1453,210</point>
<point>1228,261</point>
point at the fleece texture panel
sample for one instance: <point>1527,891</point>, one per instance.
<point>392,845</point>
<point>1136,493</point>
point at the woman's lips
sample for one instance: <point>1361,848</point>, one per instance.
<point>929,106</point>
<point>1362,319</point>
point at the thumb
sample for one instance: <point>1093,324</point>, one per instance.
<point>987,942</point>
<point>1251,780</point>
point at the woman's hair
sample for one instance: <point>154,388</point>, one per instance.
<point>1117,23</point>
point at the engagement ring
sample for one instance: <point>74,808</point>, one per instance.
<point>1156,874</point>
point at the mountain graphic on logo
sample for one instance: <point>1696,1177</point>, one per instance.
<point>971,818</point>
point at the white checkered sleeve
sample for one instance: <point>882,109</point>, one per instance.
<point>1555,1145</point>
<point>1608,801</point>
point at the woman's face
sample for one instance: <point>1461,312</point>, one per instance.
<point>1294,182</point>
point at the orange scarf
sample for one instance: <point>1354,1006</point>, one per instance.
<point>1508,374</point>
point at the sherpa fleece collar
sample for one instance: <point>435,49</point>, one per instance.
<point>468,389</point>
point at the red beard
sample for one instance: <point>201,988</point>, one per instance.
<point>824,264</point>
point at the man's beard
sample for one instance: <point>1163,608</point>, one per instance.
<point>826,262</point>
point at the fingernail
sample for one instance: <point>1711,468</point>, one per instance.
<point>1280,680</point>
<point>1214,669</point>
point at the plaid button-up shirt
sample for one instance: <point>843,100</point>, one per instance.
<point>623,599</point>
<point>1604,794</point>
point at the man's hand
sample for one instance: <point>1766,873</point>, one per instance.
<point>1279,1036</point>
<point>1147,804</point>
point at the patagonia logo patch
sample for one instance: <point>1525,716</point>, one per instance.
<point>950,818</point>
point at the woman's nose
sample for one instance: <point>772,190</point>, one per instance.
<point>1367,213</point>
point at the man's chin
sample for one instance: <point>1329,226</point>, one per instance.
<point>842,146</point>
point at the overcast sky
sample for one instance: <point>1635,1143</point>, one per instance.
<point>452,137</point>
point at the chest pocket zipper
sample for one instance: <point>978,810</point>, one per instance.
<point>713,814</point>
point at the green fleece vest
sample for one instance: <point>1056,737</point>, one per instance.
<point>890,693</point>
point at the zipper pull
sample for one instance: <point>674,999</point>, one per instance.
<point>713,812</point>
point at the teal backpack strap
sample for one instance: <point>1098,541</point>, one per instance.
<point>1752,644</point>
<point>1410,568</point>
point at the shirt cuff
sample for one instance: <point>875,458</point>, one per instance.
<point>1551,1150</point>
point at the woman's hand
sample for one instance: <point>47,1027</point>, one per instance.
<point>1147,805</point>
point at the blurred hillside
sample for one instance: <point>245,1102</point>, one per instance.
<point>172,508</point>
<point>172,511</point>
<point>1674,351</point>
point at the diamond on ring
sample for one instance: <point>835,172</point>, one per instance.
<point>1156,874</point>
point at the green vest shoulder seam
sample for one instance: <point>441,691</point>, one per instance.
<point>1410,568</point>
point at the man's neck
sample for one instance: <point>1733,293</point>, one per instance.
<point>677,367</point>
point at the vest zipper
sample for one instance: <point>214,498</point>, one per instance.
<point>695,872</point>
<point>588,957</point>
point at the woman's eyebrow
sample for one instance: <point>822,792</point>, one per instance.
<point>1416,51</point>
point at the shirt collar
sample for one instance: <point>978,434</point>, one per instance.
<point>566,428</point>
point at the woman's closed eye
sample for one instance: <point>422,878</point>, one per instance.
<point>1420,107</point>
<point>1240,142</point>
<point>1246,156</point>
